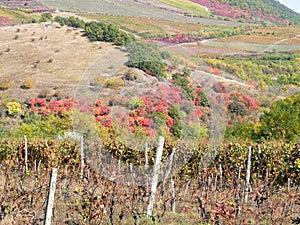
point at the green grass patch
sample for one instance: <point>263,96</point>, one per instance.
<point>190,7</point>
<point>18,15</point>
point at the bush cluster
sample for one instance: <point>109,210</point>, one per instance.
<point>98,31</point>
<point>147,57</point>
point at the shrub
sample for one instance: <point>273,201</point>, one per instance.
<point>6,84</point>
<point>283,120</point>
<point>115,82</point>
<point>249,102</point>
<point>131,75</point>
<point>176,129</point>
<point>183,82</point>
<point>219,87</point>
<point>98,31</point>
<point>28,83</point>
<point>165,55</point>
<point>200,98</point>
<point>237,108</point>
<point>44,93</point>
<point>134,103</point>
<point>13,108</point>
<point>147,57</point>
<point>58,94</point>
<point>100,80</point>
<point>46,17</point>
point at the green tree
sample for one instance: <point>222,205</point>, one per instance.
<point>176,129</point>
<point>237,108</point>
<point>183,82</point>
<point>282,121</point>
<point>147,57</point>
<point>46,17</point>
<point>204,99</point>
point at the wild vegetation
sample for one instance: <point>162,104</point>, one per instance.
<point>252,11</point>
<point>97,31</point>
<point>189,7</point>
<point>268,69</point>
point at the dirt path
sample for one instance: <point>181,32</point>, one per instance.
<point>271,47</point>
<point>199,76</point>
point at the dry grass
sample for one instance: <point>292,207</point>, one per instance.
<point>267,36</point>
<point>293,41</point>
<point>52,57</point>
<point>146,27</point>
<point>253,38</point>
<point>201,50</point>
<point>253,47</point>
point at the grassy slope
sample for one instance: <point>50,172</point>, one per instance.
<point>54,58</point>
<point>17,15</point>
<point>270,7</point>
<point>131,8</point>
<point>190,7</point>
<point>253,47</point>
<point>262,39</point>
<point>146,27</point>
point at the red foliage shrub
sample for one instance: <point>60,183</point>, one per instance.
<point>219,87</point>
<point>170,122</point>
<point>38,102</point>
<point>213,70</point>
<point>249,102</point>
<point>104,121</point>
<point>226,10</point>
<point>222,99</point>
<point>252,83</point>
<point>197,113</point>
<point>102,110</point>
<point>177,39</point>
<point>6,21</point>
<point>41,106</point>
<point>146,122</point>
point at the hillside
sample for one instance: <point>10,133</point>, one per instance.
<point>144,101</point>
<point>252,10</point>
<point>193,11</point>
<point>44,55</point>
<point>266,11</point>
<point>26,5</point>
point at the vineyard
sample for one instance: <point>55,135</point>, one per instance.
<point>27,5</point>
<point>192,195</point>
<point>106,120</point>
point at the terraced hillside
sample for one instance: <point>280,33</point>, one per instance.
<point>142,9</point>
<point>28,5</point>
<point>266,11</point>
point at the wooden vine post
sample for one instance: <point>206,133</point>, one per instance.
<point>248,174</point>
<point>154,179</point>
<point>146,167</point>
<point>81,157</point>
<point>50,200</point>
<point>26,153</point>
